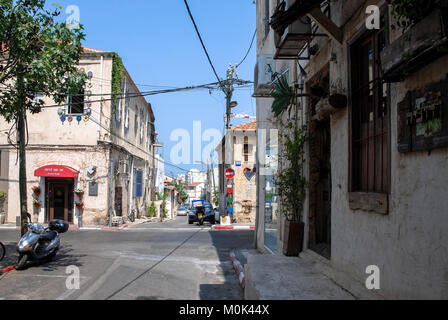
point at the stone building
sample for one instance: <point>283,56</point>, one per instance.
<point>375,100</point>
<point>104,148</point>
<point>243,161</point>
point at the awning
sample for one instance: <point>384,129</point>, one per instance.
<point>55,171</point>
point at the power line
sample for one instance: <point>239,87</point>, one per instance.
<point>250,47</point>
<point>203,46</point>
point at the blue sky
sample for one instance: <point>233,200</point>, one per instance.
<point>159,47</point>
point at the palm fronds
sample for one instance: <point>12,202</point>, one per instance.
<point>283,95</point>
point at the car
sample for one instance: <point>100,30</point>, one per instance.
<point>182,211</point>
<point>192,215</point>
<point>209,215</point>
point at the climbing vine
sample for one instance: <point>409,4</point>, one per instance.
<point>117,77</point>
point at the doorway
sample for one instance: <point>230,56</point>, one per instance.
<point>320,172</point>
<point>60,199</point>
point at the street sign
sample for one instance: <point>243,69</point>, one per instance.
<point>238,163</point>
<point>230,173</point>
<point>229,190</point>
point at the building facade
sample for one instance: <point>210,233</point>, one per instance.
<point>243,161</point>
<point>92,157</point>
<point>375,103</point>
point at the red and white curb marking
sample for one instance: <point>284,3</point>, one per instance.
<point>233,227</point>
<point>6,270</point>
<point>239,269</point>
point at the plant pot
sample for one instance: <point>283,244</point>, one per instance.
<point>37,194</point>
<point>293,238</point>
<point>80,195</point>
<point>37,206</point>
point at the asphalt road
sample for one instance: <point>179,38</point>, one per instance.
<point>167,261</point>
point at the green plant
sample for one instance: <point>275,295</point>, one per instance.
<point>409,12</point>
<point>164,203</point>
<point>117,77</point>
<point>151,210</point>
<point>284,96</point>
<point>3,194</point>
<point>291,183</point>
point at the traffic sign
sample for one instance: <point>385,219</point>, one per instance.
<point>230,173</point>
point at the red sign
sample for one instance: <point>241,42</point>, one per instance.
<point>230,173</point>
<point>56,172</point>
<point>229,190</point>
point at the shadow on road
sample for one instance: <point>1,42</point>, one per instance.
<point>224,242</point>
<point>63,259</point>
<point>11,255</point>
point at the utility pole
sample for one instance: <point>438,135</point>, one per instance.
<point>22,158</point>
<point>213,175</point>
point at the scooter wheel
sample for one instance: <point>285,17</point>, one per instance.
<point>21,263</point>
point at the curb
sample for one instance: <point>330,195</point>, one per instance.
<point>239,269</point>
<point>233,227</point>
<point>6,270</point>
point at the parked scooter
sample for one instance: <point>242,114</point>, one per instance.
<point>40,243</point>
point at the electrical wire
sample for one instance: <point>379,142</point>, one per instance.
<point>203,46</point>
<point>250,47</point>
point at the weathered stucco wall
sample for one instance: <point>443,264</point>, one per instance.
<point>245,192</point>
<point>78,159</point>
<point>410,245</point>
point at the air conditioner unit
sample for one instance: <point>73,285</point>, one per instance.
<point>264,74</point>
<point>290,43</point>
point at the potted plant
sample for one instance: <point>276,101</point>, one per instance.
<point>292,187</point>
<point>36,191</point>
<point>79,205</point>
<point>79,193</point>
<point>37,204</point>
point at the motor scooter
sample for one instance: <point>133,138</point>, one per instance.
<point>40,243</point>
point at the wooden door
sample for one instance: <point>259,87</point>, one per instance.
<point>60,200</point>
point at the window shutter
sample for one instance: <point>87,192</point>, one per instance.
<point>139,184</point>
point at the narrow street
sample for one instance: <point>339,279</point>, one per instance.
<point>168,261</point>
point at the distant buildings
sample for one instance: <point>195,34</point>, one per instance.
<point>243,161</point>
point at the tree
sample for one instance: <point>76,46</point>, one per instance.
<point>38,55</point>
<point>182,194</point>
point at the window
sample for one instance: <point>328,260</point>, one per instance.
<point>126,109</point>
<point>76,103</point>
<point>246,149</point>
<point>138,183</point>
<point>370,129</point>
<point>119,101</point>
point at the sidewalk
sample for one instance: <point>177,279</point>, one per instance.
<point>277,277</point>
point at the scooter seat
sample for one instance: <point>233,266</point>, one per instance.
<point>50,236</point>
